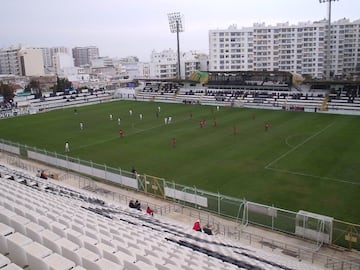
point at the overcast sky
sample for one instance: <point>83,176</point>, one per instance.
<point>120,28</point>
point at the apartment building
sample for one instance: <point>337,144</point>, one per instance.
<point>297,48</point>
<point>10,61</point>
<point>83,55</point>
<point>21,61</point>
<point>32,63</point>
<point>164,65</point>
<point>50,56</point>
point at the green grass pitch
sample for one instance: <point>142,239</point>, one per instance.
<point>304,161</point>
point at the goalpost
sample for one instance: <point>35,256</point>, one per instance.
<point>154,185</point>
<point>314,227</point>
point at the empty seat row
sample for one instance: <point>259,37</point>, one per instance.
<point>65,226</point>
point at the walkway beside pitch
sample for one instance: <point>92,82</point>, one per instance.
<point>251,235</point>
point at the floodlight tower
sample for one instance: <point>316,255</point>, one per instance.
<point>176,26</point>
<point>328,51</point>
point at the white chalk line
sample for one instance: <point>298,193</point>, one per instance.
<point>297,146</point>
<point>268,166</point>
<point>315,176</point>
<point>287,141</point>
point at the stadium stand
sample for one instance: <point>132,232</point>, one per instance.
<point>48,225</point>
<point>158,91</point>
<point>61,100</point>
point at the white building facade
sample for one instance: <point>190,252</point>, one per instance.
<point>49,56</point>
<point>21,61</point>
<point>62,61</point>
<point>10,61</point>
<point>32,63</point>
<point>164,65</point>
<point>297,48</point>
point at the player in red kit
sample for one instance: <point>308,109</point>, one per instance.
<point>201,123</point>
<point>234,130</point>
<point>121,133</point>
<point>267,125</point>
<point>173,142</point>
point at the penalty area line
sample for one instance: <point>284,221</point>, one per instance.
<point>298,146</point>
<point>315,176</point>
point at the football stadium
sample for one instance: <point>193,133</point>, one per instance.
<point>269,170</point>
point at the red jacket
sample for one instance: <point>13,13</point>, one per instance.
<point>197,226</point>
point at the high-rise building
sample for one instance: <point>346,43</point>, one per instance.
<point>296,48</point>
<point>83,55</point>
<point>21,61</point>
<point>32,63</point>
<point>163,65</point>
<point>10,61</point>
<point>50,53</point>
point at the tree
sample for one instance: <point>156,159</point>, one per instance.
<point>34,87</point>
<point>7,91</point>
<point>62,84</point>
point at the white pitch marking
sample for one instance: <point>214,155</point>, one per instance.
<point>297,146</point>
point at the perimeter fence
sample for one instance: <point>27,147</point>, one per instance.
<point>240,211</point>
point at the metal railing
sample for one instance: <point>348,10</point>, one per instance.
<point>220,214</point>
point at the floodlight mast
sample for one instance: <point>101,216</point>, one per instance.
<point>176,26</point>
<point>328,51</point>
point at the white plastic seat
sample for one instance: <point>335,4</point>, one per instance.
<point>49,238</point>
<point>78,267</point>
<point>19,223</point>
<point>154,257</point>
<point>144,262</point>
<point>101,264</point>
<point>45,222</point>
<point>5,215</point>
<point>73,236</point>
<point>52,216</point>
<point>33,231</point>
<point>12,266</point>
<point>91,233</point>
<point>58,262</point>
<point>79,221</point>
<point>35,253</point>
<point>109,242</point>
<point>8,204</point>
<point>32,215</point>
<point>16,246</point>
<point>78,255</point>
<point>99,248</point>
<point>5,231</point>
<point>20,210</point>
<point>162,267</point>
<point>4,261</point>
<point>58,228</point>
<point>64,243</point>
<point>78,227</point>
<point>130,266</point>
<point>86,240</point>
<point>114,257</point>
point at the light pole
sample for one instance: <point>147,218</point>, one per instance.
<point>176,26</point>
<point>328,51</point>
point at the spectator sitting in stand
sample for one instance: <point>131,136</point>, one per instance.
<point>137,205</point>
<point>207,229</point>
<point>196,226</point>
<point>131,204</point>
<point>43,175</point>
<point>149,211</point>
